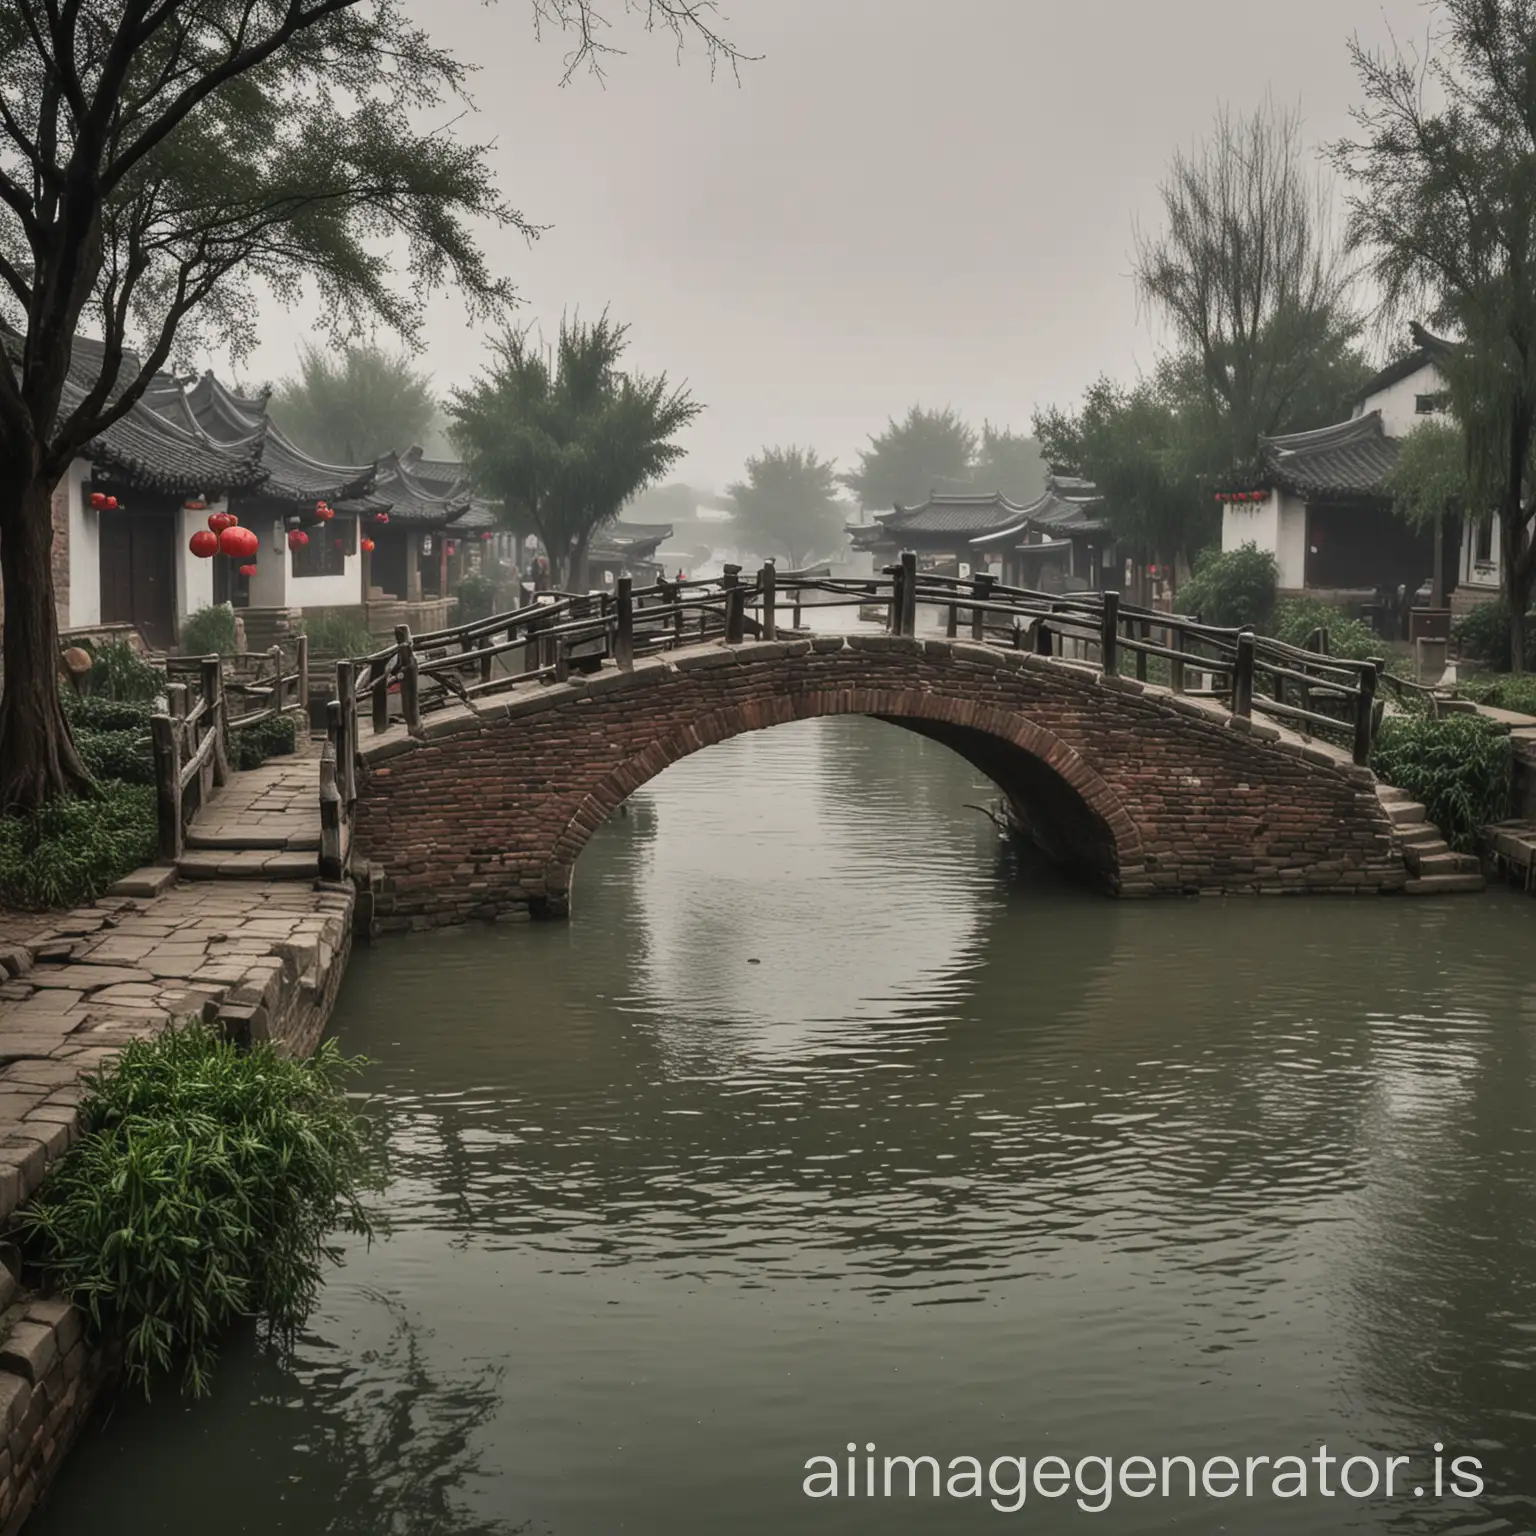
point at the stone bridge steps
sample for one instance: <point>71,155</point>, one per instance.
<point>248,864</point>
<point>263,825</point>
<point>1434,869</point>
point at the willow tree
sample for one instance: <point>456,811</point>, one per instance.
<point>1248,277</point>
<point>162,161</point>
<point>563,437</point>
<point>351,405</point>
<point>1444,205</point>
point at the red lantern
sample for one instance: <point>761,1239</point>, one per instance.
<point>381,517</point>
<point>297,539</point>
<point>324,513</point>
<point>98,501</point>
<point>247,570</point>
<point>238,542</point>
<point>111,503</point>
<point>219,521</point>
<point>366,545</point>
<point>487,536</point>
<point>203,544</point>
<point>339,543</point>
<point>194,506</point>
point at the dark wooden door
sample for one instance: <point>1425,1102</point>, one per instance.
<point>138,575</point>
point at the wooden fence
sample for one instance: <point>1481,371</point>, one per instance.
<point>563,633</point>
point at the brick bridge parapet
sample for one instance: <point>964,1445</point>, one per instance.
<point>486,811</point>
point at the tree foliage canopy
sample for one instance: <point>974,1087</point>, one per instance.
<point>1429,478</point>
<point>925,451</point>
<point>1249,279</point>
<point>789,504</point>
<point>563,438</point>
<point>1444,204</point>
<point>353,405</point>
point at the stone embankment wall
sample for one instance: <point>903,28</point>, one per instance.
<point>264,959</point>
<point>486,814</point>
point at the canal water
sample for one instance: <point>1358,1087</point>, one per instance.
<point>825,1121</point>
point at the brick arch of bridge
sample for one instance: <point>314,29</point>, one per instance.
<point>1047,784</point>
<point>485,812</point>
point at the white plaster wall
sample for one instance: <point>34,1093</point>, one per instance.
<point>194,577</point>
<point>1291,543</point>
<point>84,550</point>
<point>1396,402</point>
<point>1251,522</point>
<point>269,586</point>
<point>329,591</point>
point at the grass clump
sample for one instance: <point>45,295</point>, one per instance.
<point>1513,690</point>
<point>252,745</point>
<point>204,1191</point>
<point>119,672</point>
<point>210,632</point>
<point>338,632</point>
<point>1459,767</point>
<point>74,848</point>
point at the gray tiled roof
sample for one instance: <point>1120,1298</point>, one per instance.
<point>965,515</point>
<point>1068,505</point>
<point>1350,460</point>
<point>413,502</point>
<point>292,475</point>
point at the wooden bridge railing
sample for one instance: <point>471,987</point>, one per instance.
<point>191,752</point>
<point>263,681</point>
<point>561,633</point>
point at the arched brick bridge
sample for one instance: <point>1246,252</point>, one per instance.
<point>487,808</point>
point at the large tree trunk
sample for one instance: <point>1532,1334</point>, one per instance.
<point>38,760</point>
<point>577,574</point>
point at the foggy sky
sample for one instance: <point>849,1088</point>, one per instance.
<point>903,200</point>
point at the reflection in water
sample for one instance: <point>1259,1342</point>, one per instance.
<point>967,1162</point>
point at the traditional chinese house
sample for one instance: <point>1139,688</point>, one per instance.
<point>126,509</point>
<point>1058,543</point>
<point>942,531</point>
<point>628,549</point>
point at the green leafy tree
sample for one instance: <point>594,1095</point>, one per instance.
<point>1149,448</point>
<point>788,503</point>
<point>351,405</point>
<point>1429,483</point>
<point>1444,204</point>
<point>563,438</point>
<point>160,161</point>
<point>1008,462</point>
<point>925,451</point>
<point>1247,277</point>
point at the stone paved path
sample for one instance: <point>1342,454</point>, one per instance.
<point>240,952</point>
<point>263,824</point>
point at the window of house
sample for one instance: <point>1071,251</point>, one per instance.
<point>329,545</point>
<point>1429,405</point>
<point>1482,551</point>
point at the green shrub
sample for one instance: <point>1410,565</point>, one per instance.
<point>1296,617</point>
<point>252,745</point>
<point>477,595</point>
<point>1458,766</point>
<point>1514,690</point>
<point>203,1191</point>
<point>210,632</point>
<point>1232,589</point>
<point>74,848</point>
<point>91,713</point>
<point>1483,634</point>
<point>337,632</point>
<point>126,756</point>
<point>120,672</point>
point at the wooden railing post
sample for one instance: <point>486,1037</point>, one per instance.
<point>1242,675</point>
<point>908,592</point>
<point>1044,642</point>
<point>735,614</point>
<point>893,611</point>
<point>1365,714</point>
<point>378,681</point>
<point>303,665</point>
<point>952,621</point>
<point>1144,634</point>
<point>275,656</point>
<point>330,815</point>
<point>768,584</point>
<point>981,590</point>
<point>797,606</point>
<point>624,622</point>
<point>1175,641</point>
<point>1109,633</point>
<point>487,662</point>
<point>213,691</point>
<point>346,744</point>
<point>561,658</point>
<point>410,680</point>
<point>162,731</point>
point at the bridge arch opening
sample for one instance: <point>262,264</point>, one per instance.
<point>1054,798</point>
